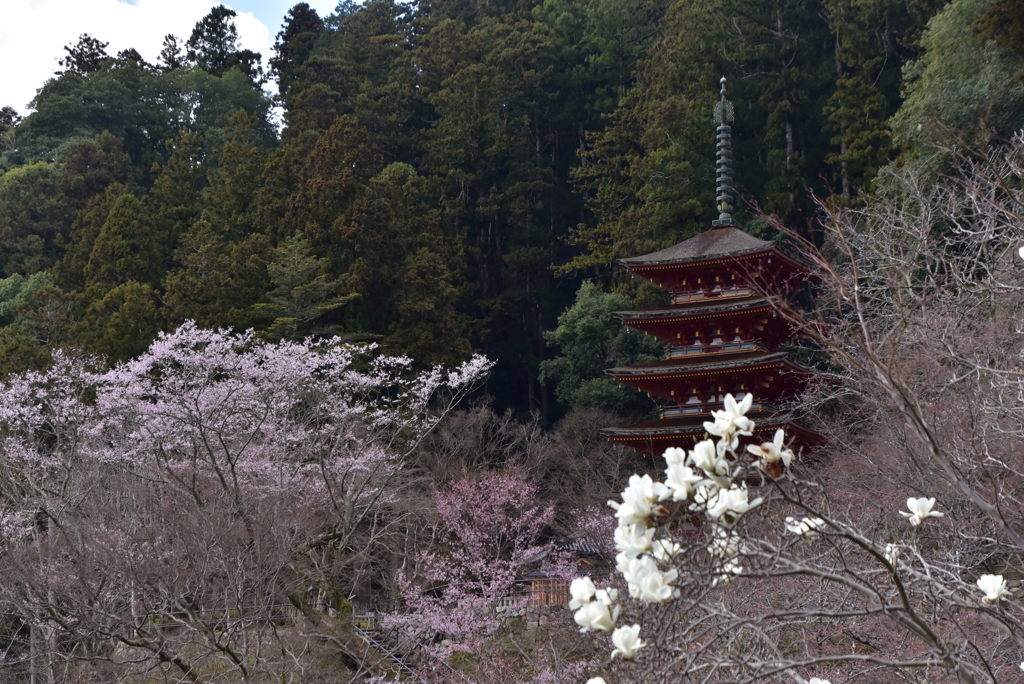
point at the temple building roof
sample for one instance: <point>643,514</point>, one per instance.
<point>725,306</point>
<point>654,436</point>
<point>715,243</point>
<point>745,360</point>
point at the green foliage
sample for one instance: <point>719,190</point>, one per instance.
<point>295,44</point>
<point>16,290</point>
<point>302,294</point>
<point>813,90</point>
<point>43,321</point>
<point>1004,23</point>
<point>957,82</point>
<point>141,106</point>
<point>89,167</point>
<point>213,46</point>
<point>590,340</point>
<point>125,249</point>
<point>234,182</point>
<point>121,324</point>
<point>34,216</point>
<point>69,272</point>
<point>216,282</point>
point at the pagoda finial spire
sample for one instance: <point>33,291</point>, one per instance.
<point>723,117</point>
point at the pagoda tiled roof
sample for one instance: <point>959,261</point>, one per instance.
<point>725,305</point>
<point>739,360</point>
<point>766,421</point>
<point>713,244</point>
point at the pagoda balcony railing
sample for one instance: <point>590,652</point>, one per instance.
<point>699,349</point>
<point>676,410</point>
<point>716,293</point>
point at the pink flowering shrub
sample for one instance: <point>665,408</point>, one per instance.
<point>487,526</point>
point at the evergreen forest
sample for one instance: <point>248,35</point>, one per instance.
<point>443,176</point>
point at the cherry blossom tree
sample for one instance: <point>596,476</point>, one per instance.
<point>162,518</point>
<point>488,525</point>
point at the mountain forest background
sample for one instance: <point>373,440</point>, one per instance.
<point>451,176</point>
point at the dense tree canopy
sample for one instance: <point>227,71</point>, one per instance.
<point>448,172</point>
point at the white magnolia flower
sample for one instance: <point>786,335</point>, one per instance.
<point>771,452</point>
<point>636,501</point>
<point>607,596</point>
<point>627,642</point>
<point>724,544</point>
<point>596,615</point>
<point>675,456</point>
<point>708,459</point>
<point>920,509</point>
<point>805,527</point>
<point>664,549</point>
<point>596,680</point>
<point>679,482</point>
<point>815,680</point>
<point>729,571</point>
<point>892,552</point>
<point>582,591</point>
<point>730,504</point>
<point>622,563</point>
<point>1021,253</point>
<point>702,494</point>
<point>994,587</point>
<point>633,540</point>
<point>731,422</point>
<point>649,584</point>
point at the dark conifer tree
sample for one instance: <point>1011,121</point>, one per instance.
<point>84,57</point>
<point>294,46</point>
<point>173,55</point>
<point>213,46</point>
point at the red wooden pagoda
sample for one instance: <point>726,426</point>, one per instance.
<point>722,333</point>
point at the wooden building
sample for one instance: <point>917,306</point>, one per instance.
<point>722,333</point>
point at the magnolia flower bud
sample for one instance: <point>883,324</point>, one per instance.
<point>892,552</point>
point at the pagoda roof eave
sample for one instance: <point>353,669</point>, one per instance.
<point>717,244</point>
<point>745,361</point>
<point>692,262</point>
<point>684,426</point>
<point>687,311</point>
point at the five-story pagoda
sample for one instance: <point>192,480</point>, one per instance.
<point>722,333</point>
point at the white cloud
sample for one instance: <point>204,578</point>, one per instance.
<point>33,34</point>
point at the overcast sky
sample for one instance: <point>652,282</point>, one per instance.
<point>33,33</point>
